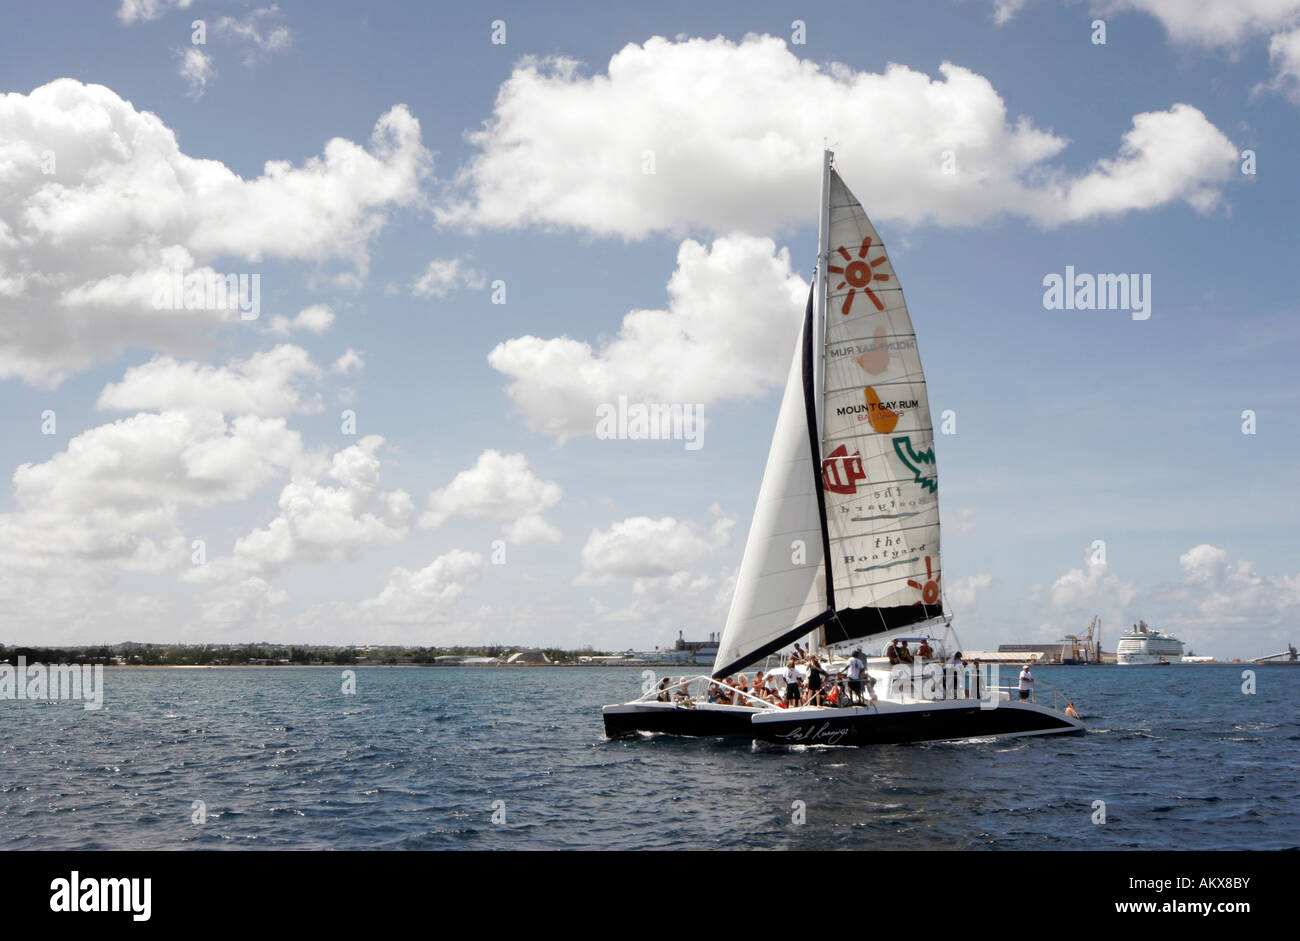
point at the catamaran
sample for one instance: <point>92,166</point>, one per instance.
<point>843,549</point>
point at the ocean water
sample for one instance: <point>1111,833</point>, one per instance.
<point>425,758</point>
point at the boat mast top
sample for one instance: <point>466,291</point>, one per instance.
<point>819,304</point>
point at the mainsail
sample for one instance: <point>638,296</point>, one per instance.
<point>845,537</point>
<point>878,468</point>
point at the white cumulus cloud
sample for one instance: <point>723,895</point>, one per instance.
<point>424,596</point>
<point>1006,10</point>
<point>443,276</point>
<point>1203,563</point>
<point>99,206</point>
<point>1091,587</point>
<point>682,146</point>
<point>1211,23</point>
<point>500,487</point>
<point>1168,156</point>
<point>348,361</point>
<point>318,318</point>
<point>134,11</point>
<point>197,70</point>
<point>320,521</point>
<point>262,31</point>
<point>1284,54</point>
<point>1228,25</point>
<point>1220,593</point>
<point>118,492</point>
<point>531,528</point>
<point>641,547</point>
<point>964,593</point>
<point>268,383</point>
<point>733,309</point>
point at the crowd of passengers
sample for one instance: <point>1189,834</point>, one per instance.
<point>805,681</point>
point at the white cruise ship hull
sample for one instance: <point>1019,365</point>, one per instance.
<point>1134,659</point>
<point>1148,649</point>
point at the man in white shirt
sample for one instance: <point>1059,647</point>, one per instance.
<point>1026,682</point>
<point>855,670</point>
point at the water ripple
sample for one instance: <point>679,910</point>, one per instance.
<point>515,759</point>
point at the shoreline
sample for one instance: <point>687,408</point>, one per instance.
<point>684,667</point>
<point>369,666</point>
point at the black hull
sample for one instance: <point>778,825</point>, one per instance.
<point>915,723</point>
<point>669,719</point>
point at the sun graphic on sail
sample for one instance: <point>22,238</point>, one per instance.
<point>859,276</point>
<point>930,591</point>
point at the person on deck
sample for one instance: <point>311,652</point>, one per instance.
<point>1026,682</point>
<point>664,695</point>
<point>742,684</point>
<point>836,694</point>
<point>775,683</point>
<point>924,651</point>
<point>816,682</point>
<point>952,675</point>
<point>856,666</point>
<point>904,655</point>
<point>1069,711</point>
<point>792,694</point>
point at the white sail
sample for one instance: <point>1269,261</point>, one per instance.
<point>782,581</point>
<point>872,513</point>
<point>878,471</point>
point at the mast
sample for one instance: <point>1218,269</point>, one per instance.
<point>816,636</point>
<point>819,294</point>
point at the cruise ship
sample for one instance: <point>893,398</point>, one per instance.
<point>1143,644</point>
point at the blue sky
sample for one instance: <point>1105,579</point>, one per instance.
<point>1072,425</point>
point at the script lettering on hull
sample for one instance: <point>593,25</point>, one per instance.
<point>821,734</point>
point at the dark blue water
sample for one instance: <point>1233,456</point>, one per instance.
<point>418,758</point>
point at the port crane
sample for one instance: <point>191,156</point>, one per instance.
<point>1287,656</point>
<point>1085,649</point>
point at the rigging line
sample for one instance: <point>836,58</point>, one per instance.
<point>947,617</point>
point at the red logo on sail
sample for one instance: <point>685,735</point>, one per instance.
<point>842,471</point>
<point>858,275</point>
<point>930,591</point>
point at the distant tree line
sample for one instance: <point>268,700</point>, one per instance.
<point>137,654</point>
